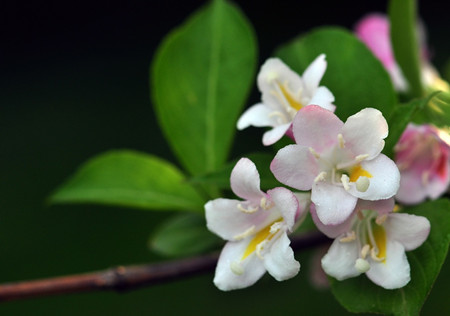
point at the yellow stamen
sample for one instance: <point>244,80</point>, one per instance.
<point>379,235</point>
<point>261,236</point>
<point>357,172</point>
<point>292,102</point>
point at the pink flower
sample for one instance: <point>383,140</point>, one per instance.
<point>423,158</point>
<point>338,162</point>
<point>256,230</point>
<point>284,92</point>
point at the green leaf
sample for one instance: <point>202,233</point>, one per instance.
<point>183,235</point>
<point>437,111</point>
<point>359,295</point>
<point>399,119</point>
<point>132,179</point>
<point>201,76</point>
<point>354,75</point>
<point>404,38</point>
<point>221,178</point>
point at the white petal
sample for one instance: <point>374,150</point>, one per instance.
<point>257,115</point>
<point>333,204</point>
<point>280,261</point>
<point>272,136</point>
<point>410,230</point>
<point>225,219</point>
<point>385,179</point>
<point>323,98</point>
<point>295,166</point>
<point>316,127</point>
<point>275,69</point>
<point>364,132</point>
<point>331,231</point>
<point>394,272</point>
<point>286,203</point>
<point>304,205</point>
<point>252,267</point>
<point>314,73</point>
<point>339,262</point>
<point>245,181</point>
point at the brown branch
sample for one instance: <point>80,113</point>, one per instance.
<point>129,277</point>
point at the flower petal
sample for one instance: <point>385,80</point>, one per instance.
<point>272,136</point>
<point>333,204</point>
<point>252,267</point>
<point>257,115</point>
<point>314,73</point>
<point>384,182</point>
<point>392,273</point>
<point>339,262</point>
<point>316,127</point>
<point>286,202</point>
<point>295,166</point>
<point>245,181</point>
<point>364,132</point>
<point>280,261</point>
<point>331,231</point>
<point>380,206</point>
<point>225,219</point>
<point>410,230</point>
<point>323,98</point>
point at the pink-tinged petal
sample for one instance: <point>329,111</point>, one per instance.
<point>225,219</point>
<point>272,136</point>
<point>295,166</point>
<point>384,182</point>
<point>331,231</point>
<point>339,262</point>
<point>333,204</point>
<point>411,190</point>
<point>258,115</point>
<point>410,230</point>
<point>364,132</point>
<point>286,203</point>
<point>280,261</point>
<point>381,206</point>
<point>394,272</point>
<point>314,73</point>
<point>245,181</point>
<point>323,98</point>
<point>316,127</point>
<point>251,269</point>
<point>304,205</point>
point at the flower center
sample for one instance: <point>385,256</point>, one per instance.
<point>262,238</point>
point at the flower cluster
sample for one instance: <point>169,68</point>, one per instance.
<point>350,188</point>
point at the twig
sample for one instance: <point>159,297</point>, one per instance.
<point>129,277</point>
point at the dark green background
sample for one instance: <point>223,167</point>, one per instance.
<point>74,83</point>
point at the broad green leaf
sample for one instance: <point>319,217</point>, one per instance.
<point>399,119</point>
<point>355,77</point>
<point>200,78</point>
<point>360,295</point>
<point>131,179</point>
<point>404,38</point>
<point>221,178</point>
<point>183,235</point>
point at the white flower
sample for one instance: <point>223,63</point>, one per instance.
<point>376,245</point>
<point>284,92</point>
<point>256,229</point>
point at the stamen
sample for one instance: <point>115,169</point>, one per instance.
<point>345,181</point>
<point>365,250</point>
<point>362,184</point>
<point>248,232</point>
<point>348,164</point>
<point>348,237</point>
<point>259,248</point>
<point>249,210</point>
<point>265,204</point>
<point>381,219</point>
<point>374,255</point>
<point>314,153</point>
<point>275,227</point>
<point>341,141</point>
<point>360,158</point>
<point>320,177</point>
<point>236,268</point>
<point>362,265</point>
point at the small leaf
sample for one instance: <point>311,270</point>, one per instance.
<point>359,295</point>
<point>221,178</point>
<point>399,119</point>
<point>200,78</point>
<point>354,75</point>
<point>132,179</point>
<point>183,235</point>
<point>404,38</point>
